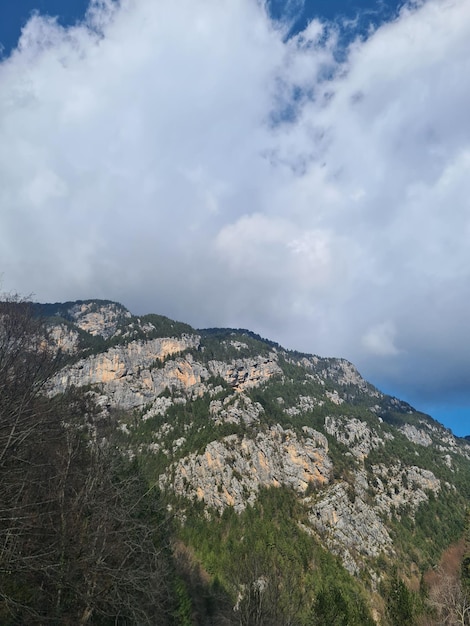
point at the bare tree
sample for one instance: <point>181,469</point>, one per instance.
<point>26,435</point>
<point>26,362</point>
<point>119,567</point>
<point>450,601</point>
<point>81,535</point>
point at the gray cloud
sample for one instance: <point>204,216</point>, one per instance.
<point>183,158</point>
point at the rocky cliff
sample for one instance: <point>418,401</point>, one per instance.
<point>218,415</point>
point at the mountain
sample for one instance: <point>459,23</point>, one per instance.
<point>298,491</point>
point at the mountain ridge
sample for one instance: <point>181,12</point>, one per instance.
<point>218,418</point>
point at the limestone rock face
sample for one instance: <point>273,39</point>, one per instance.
<point>247,373</point>
<point>350,515</point>
<point>132,374</point>
<point>242,410</point>
<point>98,319</point>
<point>401,489</point>
<point>341,372</point>
<point>416,435</point>
<point>225,414</point>
<point>351,527</point>
<point>64,339</point>
<point>160,406</point>
<point>355,434</point>
<point>231,471</point>
<point>303,405</point>
<point>446,441</point>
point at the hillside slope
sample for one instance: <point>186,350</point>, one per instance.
<point>283,471</point>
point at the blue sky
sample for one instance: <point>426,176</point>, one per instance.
<point>14,15</point>
<point>302,171</point>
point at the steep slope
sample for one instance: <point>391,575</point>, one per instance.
<point>220,418</point>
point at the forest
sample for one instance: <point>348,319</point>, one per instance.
<point>86,537</point>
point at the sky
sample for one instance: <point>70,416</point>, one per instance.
<point>300,169</point>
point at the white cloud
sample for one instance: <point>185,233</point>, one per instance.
<point>182,157</point>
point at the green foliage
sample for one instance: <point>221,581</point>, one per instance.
<point>183,603</point>
<point>336,607</point>
<point>465,568</point>
<point>227,344</point>
<point>61,310</point>
<point>436,524</point>
<point>281,572</point>
<point>165,327</point>
<point>400,602</point>
<point>190,422</point>
<point>239,334</point>
<point>129,328</point>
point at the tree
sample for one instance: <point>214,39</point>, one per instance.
<point>335,606</point>
<point>466,557</point>
<point>27,433</point>
<point>450,600</point>
<point>399,602</point>
<point>26,363</point>
<point>119,566</point>
<point>268,587</point>
<point>82,537</point>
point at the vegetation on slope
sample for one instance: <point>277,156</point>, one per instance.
<point>274,572</point>
<point>88,538</point>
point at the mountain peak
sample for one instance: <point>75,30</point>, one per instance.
<point>221,417</point>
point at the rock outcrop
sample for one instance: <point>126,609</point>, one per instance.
<point>99,319</point>
<point>241,410</point>
<point>350,526</point>
<point>64,339</point>
<point>244,374</point>
<point>355,434</point>
<point>231,471</point>
<point>265,417</point>
<point>416,435</point>
<point>133,374</point>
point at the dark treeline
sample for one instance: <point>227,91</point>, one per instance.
<point>82,539</point>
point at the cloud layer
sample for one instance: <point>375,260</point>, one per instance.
<point>183,157</point>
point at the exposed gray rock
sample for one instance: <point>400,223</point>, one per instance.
<point>355,434</point>
<point>232,470</point>
<point>350,527</point>
<point>350,523</point>
<point>246,373</point>
<point>131,375</point>
<point>239,345</point>
<point>98,319</point>
<point>401,489</point>
<point>342,372</point>
<point>159,407</point>
<point>334,397</point>
<point>416,435</point>
<point>448,442</point>
<point>304,405</point>
<point>236,410</point>
<point>63,338</point>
